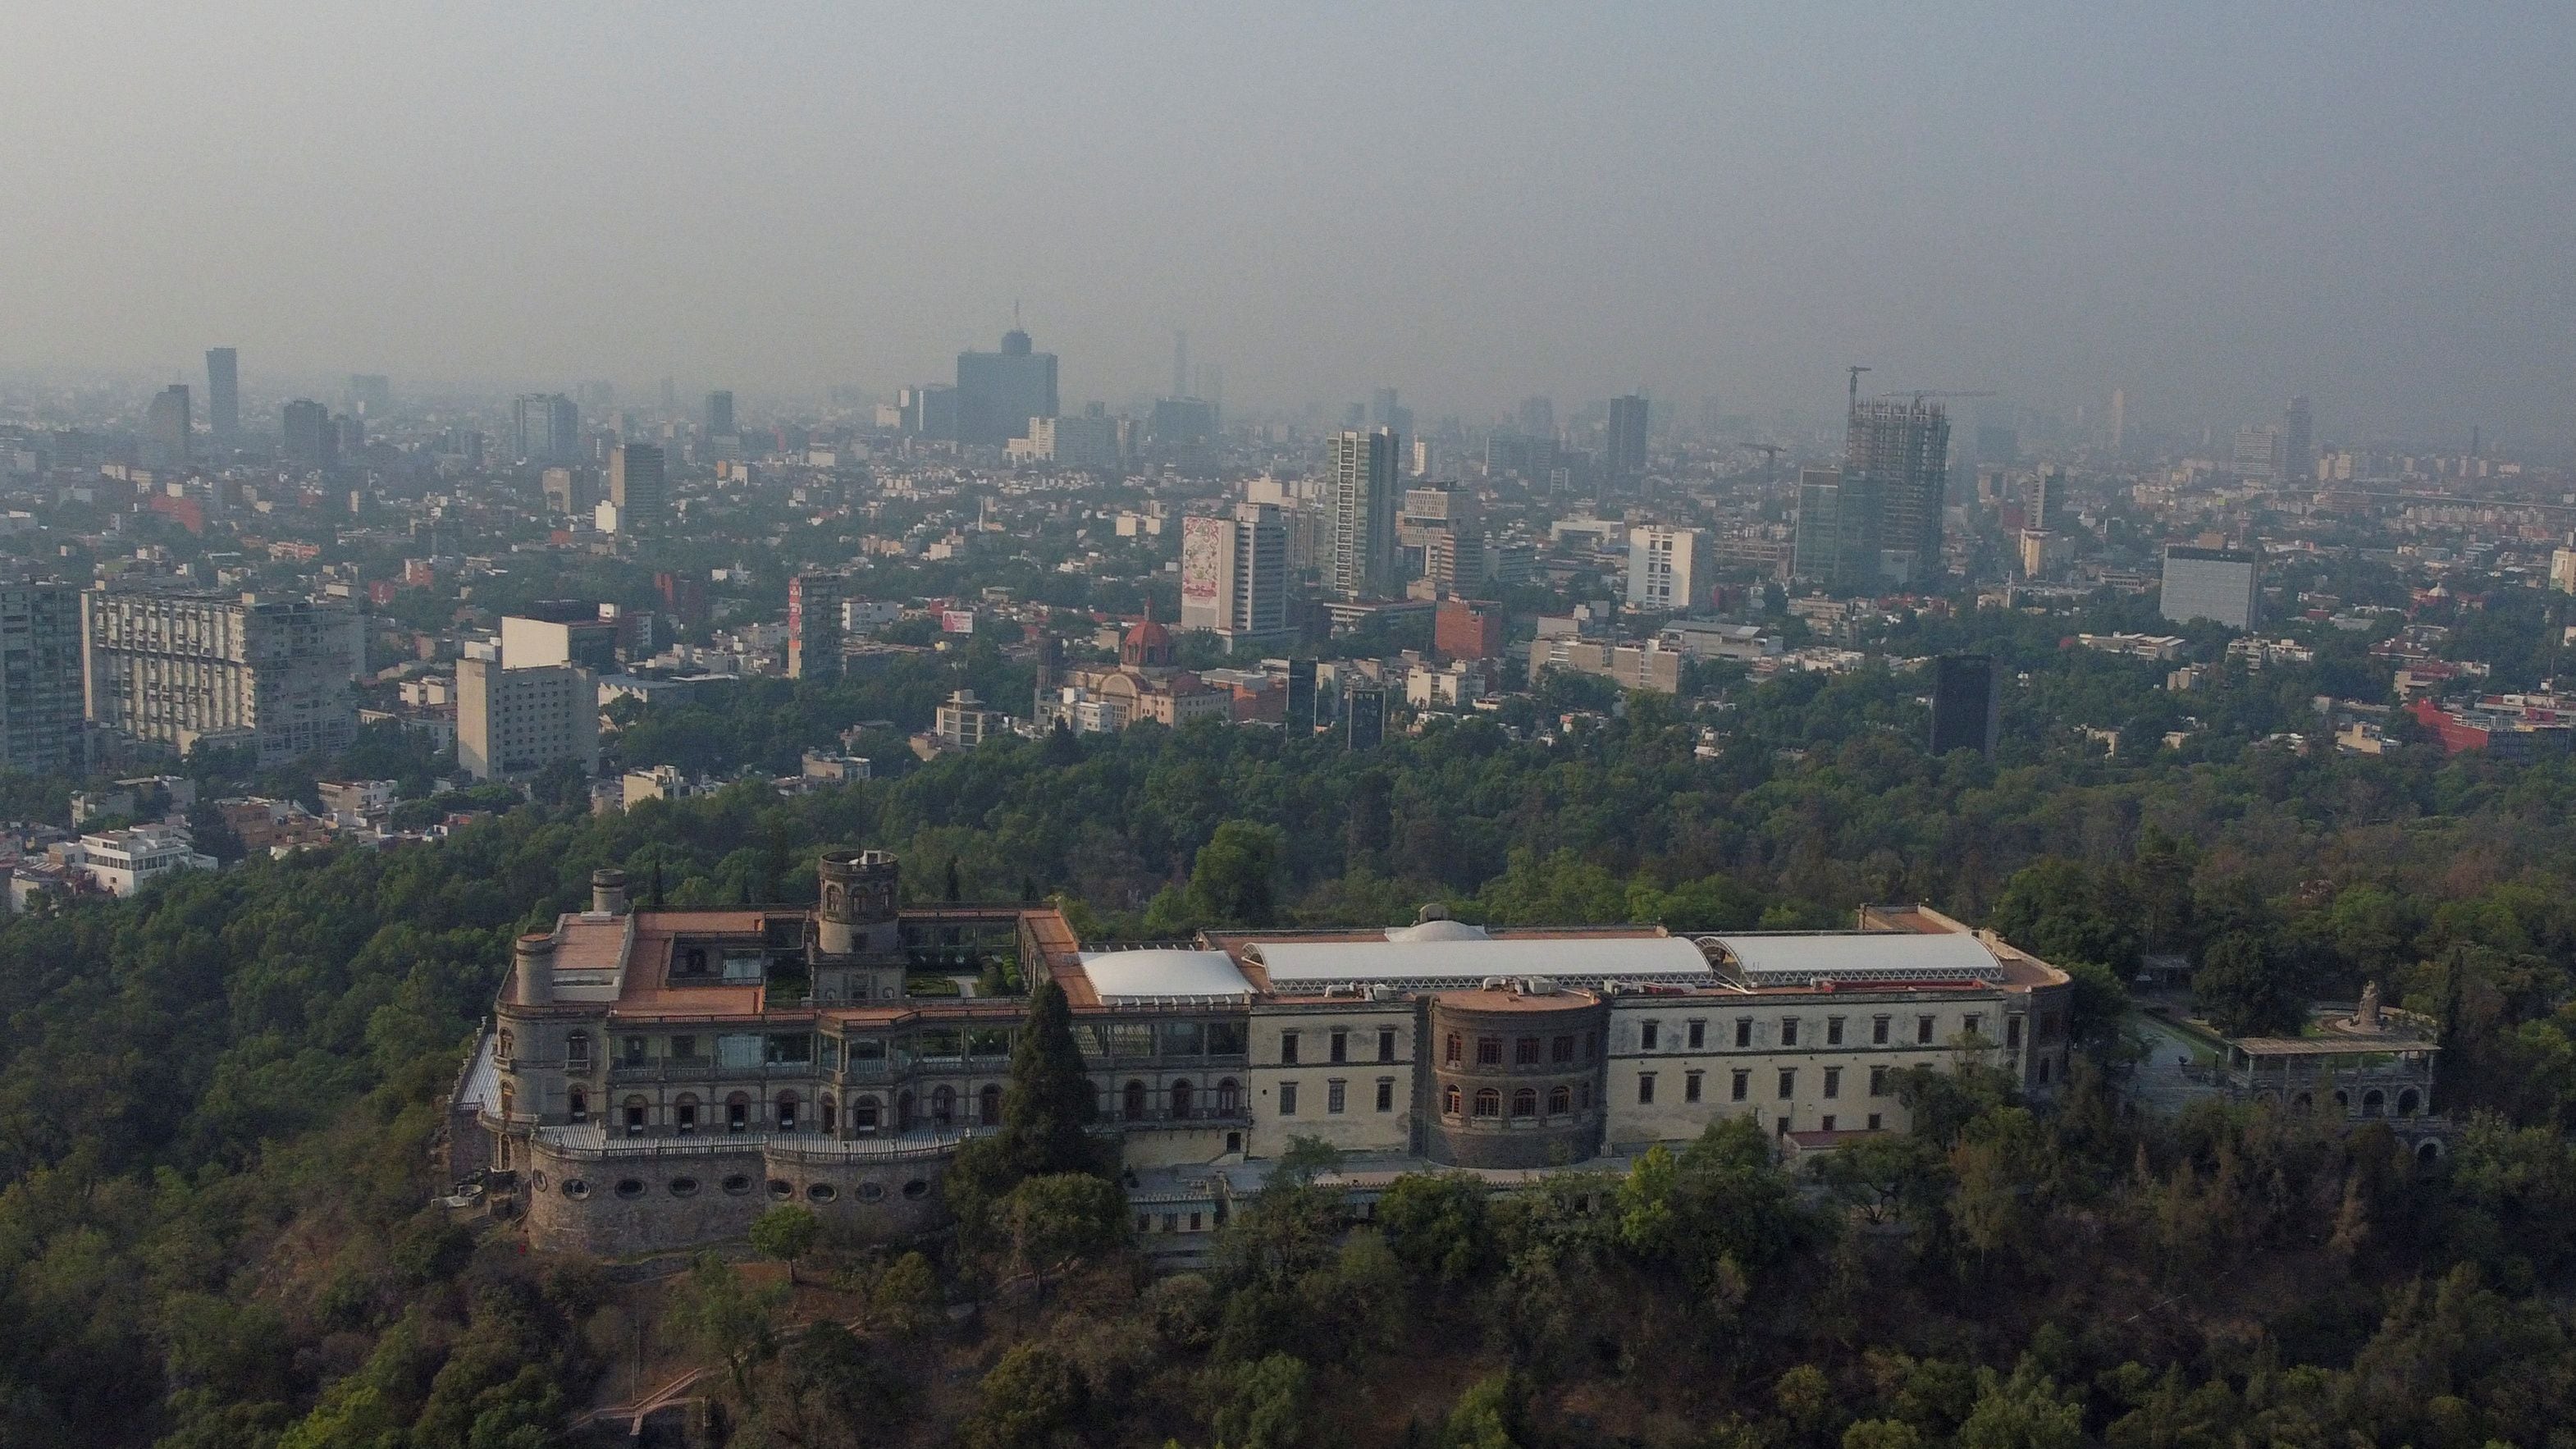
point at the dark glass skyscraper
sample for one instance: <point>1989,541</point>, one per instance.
<point>305,434</point>
<point>223,393</point>
<point>1624,445</point>
<point>998,392</point>
<point>1967,703</point>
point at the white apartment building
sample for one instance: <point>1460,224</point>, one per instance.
<point>514,722</point>
<point>121,862</point>
<point>174,668</point>
<point>1667,566</point>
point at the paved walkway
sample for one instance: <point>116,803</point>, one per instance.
<point>2160,1083</point>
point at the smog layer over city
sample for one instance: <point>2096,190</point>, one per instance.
<point>1765,727</point>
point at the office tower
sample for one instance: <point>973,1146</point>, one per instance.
<point>2119,418</point>
<point>720,415</point>
<point>40,687</point>
<point>1667,566</point>
<point>930,411</point>
<point>305,434</point>
<point>1234,576</point>
<point>1364,712</point>
<point>1180,422</point>
<point>546,428</point>
<point>1624,446</point>
<point>1385,412</point>
<point>223,393</point>
<point>1538,418</point>
<point>814,626</point>
<point>2257,453</point>
<point>183,668</point>
<point>1967,703</point>
<point>1838,528</point>
<point>1462,630</point>
<point>1212,387</point>
<point>1904,446</point>
<point>1181,364</point>
<point>2222,585</point>
<point>1301,696</point>
<point>2047,501</point>
<point>573,491</point>
<point>1090,441</point>
<point>349,434</point>
<point>2298,456</point>
<point>637,486</point>
<point>513,721</point>
<point>166,430</point>
<point>998,392</point>
<point>1360,504</point>
<point>373,392</point>
<point>567,632</point>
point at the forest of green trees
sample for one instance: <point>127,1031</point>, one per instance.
<point>217,1104</point>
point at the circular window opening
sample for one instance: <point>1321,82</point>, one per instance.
<point>872,1192</point>
<point>737,1184</point>
<point>821,1192</point>
<point>916,1188</point>
<point>630,1187</point>
<point>575,1188</point>
<point>780,1188</point>
<point>684,1187</point>
<point>537,1180</point>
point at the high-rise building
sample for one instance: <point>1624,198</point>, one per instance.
<point>305,434</point>
<point>1623,447</point>
<point>1667,566</point>
<point>998,392</point>
<point>2257,452</point>
<point>1967,703</point>
<point>720,415</point>
<point>1360,489</point>
<point>572,491</point>
<point>1463,630</point>
<point>814,626</point>
<point>1364,713</point>
<point>1301,696</point>
<point>2222,585</point>
<point>1838,528</point>
<point>930,411</point>
<point>1538,418</point>
<point>514,721</point>
<point>637,485</point>
<point>1234,576</point>
<point>546,428</point>
<point>223,393</point>
<point>179,668</point>
<point>1904,446</point>
<point>166,437</point>
<point>2047,501</point>
<point>40,680</point>
<point>1385,412</point>
<point>2119,418</point>
<point>567,632</point>
<point>1180,364</point>
<point>2298,442</point>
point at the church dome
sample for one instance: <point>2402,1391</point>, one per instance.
<point>1148,644</point>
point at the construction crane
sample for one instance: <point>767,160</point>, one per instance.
<point>1855,370</point>
<point>1920,396</point>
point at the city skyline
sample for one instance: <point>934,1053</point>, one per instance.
<point>2087,204</point>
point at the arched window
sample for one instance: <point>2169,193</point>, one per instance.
<point>509,1098</point>
<point>1449,1099</point>
<point>636,1114</point>
<point>738,1112</point>
<point>504,1048</point>
<point>1525,1102</point>
<point>1229,1098</point>
<point>2343,1100</point>
<point>787,1111</point>
<point>1134,1108</point>
<point>1489,1103</point>
<point>1560,1100</point>
<point>2373,1102</point>
<point>2408,1102</point>
<point>831,1116</point>
<point>2304,1102</point>
<point>1451,1054</point>
<point>988,1105</point>
<point>863,1113</point>
<point>943,1104</point>
<point>1181,1101</point>
<point>580,1104</point>
<point>684,1114</point>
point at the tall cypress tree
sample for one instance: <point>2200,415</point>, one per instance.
<point>1049,1096</point>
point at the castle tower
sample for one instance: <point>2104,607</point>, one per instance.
<point>608,892</point>
<point>535,970</point>
<point>858,911</point>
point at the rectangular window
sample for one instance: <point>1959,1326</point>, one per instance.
<point>1489,1051</point>
<point>684,1048</point>
<point>1741,1087</point>
<point>1873,1121</point>
<point>1341,1048</point>
<point>635,1051</point>
<point>1828,1123</point>
<point>1781,1126</point>
<point>1833,1081</point>
<point>1645,1088</point>
<point>1974,1025</point>
<point>1561,1050</point>
<point>1525,1051</point>
<point>1287,1048</point>
<point>1690,1086</point>
<point>1878,1031</point>
<point>1227,1038</point>
<point>1833,1031</point>
<point>1878,1081</point>
<point>1744,1031</point>
<point>1698,1035</point>
<point>1788,1031</point>
<point>1386,1094</point>
<point>2012,1032</point>
<point>1335,1096</point>
<point>1923,1030</point>
<point>1648,1033</point>
<point>1180,1039</point>
<point>1386,1044</point>
<point>1287,1099</point>
<point>1788,1083</point>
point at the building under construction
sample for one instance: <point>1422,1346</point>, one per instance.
<point>1903,447</point>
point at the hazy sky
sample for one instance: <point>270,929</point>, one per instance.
<point>2212,205</point>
